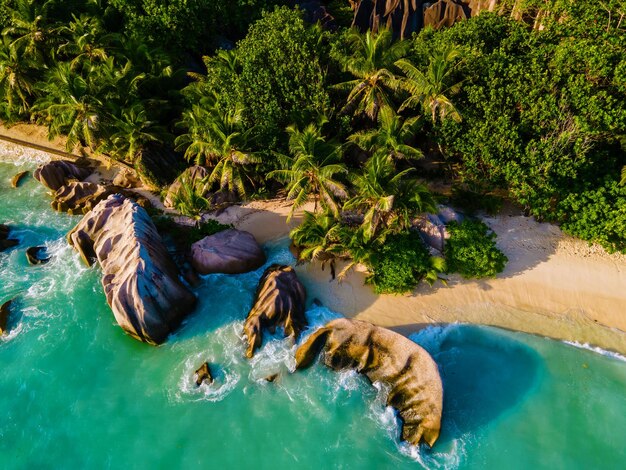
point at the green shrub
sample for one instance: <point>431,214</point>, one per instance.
<point>401,263</point>
<point>471,250</point>
<point>597,215</point>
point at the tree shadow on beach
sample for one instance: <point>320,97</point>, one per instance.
<point>485,373</point>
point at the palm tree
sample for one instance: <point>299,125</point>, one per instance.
<point>312,169</point>
<point>432,90</point>
<point>28,27</point>
<point>17,79</point>
<point>372,64</point>
<point>218,139</point>
<point>623,180</point>
<point>69,106</point>
<point>391,137</point>
<point>189,200</point>
<point>129,130</point>
<point>85,41</point>
<point>319,237</point>
<point>387,199</point>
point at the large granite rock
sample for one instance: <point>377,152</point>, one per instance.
<point>193,176</point>
<point>383,356</point>
<point>5,241</point>
<point>79,197</point>
<point>279,301</point>
<point>445,13</point>
<point>230,251</point>
<point>58,173</point>
<point>140,279</point>
<point>405,17</point>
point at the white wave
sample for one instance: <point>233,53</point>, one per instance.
<point>19,155</point>
<point>431,337</point>
<point>437,458</point>
<point>596,350</point>
<point>225,380</point>
<point>275,356</point>
<point>388,421</point>
<point>12,334</point>
<point>225,355</point>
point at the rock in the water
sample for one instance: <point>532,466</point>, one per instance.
<point>5,241</point>
<point>79,197</point>
<point>384,356</point>
<point>5,312</point>
<point>37,255</point>
<point>194,177</point>
<point>139,277</point>
<point>58,173</point>
<point>203,374</point>
<point>279,301</point>
<point>271,378</point>
<point>18,178</point>
<point>230,252</point>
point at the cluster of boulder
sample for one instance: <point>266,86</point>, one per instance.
<point>143,287</point>
<point>72,194</point>
<point>383,356</point>
<point>405,17</point>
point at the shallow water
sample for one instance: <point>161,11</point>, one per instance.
<point>77,392</point>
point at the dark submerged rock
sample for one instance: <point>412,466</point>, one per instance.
<point>384,356</point>
<point>272,378</point>
<point>203,374</point>
<point>5,241</point>
<point>279,301</point>
<point>37,255</point>
<point>5,312</point>
<point>18,178</point>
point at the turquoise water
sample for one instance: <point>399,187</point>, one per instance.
<point>76,392</point>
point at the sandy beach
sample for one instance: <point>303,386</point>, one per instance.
<point>554,285</point>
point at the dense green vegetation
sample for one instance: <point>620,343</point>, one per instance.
<point>531,108</point>
<point>471,250</point>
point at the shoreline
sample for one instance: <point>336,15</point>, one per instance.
<point>554,285</point>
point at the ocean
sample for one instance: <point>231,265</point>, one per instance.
<point>76,392</point>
